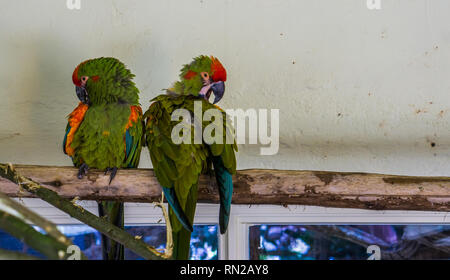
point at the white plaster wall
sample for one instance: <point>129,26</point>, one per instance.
<point>357,89</point>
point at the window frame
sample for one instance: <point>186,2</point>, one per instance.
<point>243,216</point>
<point>136,214</point>
<point>234,244</point>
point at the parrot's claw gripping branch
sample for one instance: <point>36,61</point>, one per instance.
<point>113,171</point>
<point>82,171</point>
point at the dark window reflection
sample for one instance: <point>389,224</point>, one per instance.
<point>345,242</point>
<point>204,241</point>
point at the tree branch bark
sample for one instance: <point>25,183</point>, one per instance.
<point>47,245</point>
<point>254,186</point>
<point>34,218</point>
<point>77,212</point>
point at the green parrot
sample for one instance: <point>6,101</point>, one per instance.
<point>105,131</point>
<point>178,166</point>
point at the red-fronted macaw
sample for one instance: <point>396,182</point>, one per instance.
<point>105,131</point>
<point>178,166</point>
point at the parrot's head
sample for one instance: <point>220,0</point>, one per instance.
<point>203,76</point>
<point>104,80</point>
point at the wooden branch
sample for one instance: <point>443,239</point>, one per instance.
<point>76,211</point>
<point>18,227</point>
<point>34,218</point>
<point>329,189</point>
<point>45,244</point>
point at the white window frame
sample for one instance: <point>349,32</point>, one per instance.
<point>234,244</point>
<point>244,216</point>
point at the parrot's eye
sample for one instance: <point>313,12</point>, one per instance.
<point>205,75</point>
<point>84,78</point>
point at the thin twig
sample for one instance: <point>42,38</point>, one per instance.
<point>168,252</point>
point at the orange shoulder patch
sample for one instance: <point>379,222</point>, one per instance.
<point>75,119</point>
<point>136,112</point>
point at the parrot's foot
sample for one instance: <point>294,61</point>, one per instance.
<point>113,173</point>
<point>82,171</point>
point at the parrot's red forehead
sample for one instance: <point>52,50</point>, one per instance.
<point>76,81</point>
<point>75,78</point>
<point>218,71</point>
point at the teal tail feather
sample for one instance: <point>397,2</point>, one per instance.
<point>225,183</point>
<point>114,213</point>
<point>181,235</point>
<point>176,208</point>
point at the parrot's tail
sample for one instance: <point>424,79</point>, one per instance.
<point>182,236</point>
<point>225,183</point>
<point>181,243</point>
<point>113,211</point>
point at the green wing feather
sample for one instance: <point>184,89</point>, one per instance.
<point>175,166</point>
<point>178,167</point>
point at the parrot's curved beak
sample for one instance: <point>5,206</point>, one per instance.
<point>82,94</point>
<point>218,88</point>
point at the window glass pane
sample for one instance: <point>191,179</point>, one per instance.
<point>204,241</point>
<point>333,242</point>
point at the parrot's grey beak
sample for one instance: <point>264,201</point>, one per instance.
<point>218,88</point>
<point>82,94</point>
